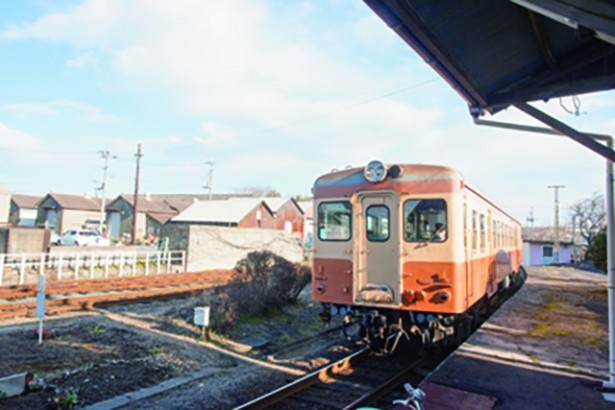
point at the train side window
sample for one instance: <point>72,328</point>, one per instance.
<point>474,231</point>
<point>425,220</point>
<point>334,221</point>
<point>483,236</point>
<point>377,223</point>
<point>465,226</point>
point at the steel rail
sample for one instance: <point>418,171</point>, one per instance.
<point>301,383</point>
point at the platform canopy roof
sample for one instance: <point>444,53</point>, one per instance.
<point>497,53</point>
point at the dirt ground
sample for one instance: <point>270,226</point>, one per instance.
<point>94,356</point>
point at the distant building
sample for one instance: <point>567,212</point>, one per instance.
<point>539,246</point>
<point>5,203</point>
<point>234,212</point>
<point>60,212</point>
<point>308,222</point>
<point>152,213</point>
<point>24,209</point>
<point>197,197</point>
<point>286,211</point>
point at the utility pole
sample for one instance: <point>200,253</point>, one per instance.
<point>574,242</point>
<point>529,221</point>
<point>136,197</point>
<point>556,242</point>
<point>210,177</point>
<point>105,154</point>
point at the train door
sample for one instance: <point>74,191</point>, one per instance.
<point>377,259</point>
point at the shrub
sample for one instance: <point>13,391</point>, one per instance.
<point>598,253</point>
<point>262,282</point>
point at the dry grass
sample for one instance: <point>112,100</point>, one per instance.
<point>564,312</point>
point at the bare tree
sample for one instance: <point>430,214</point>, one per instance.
<point>590,217</point>
<point>258,191</point>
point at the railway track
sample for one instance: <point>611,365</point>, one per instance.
<point>362,379</point>
<point>64,296</point>
<point>354,381</point>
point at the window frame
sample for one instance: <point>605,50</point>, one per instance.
<point>419,238</point>
<point>350,222</point>
<point>388,219</point>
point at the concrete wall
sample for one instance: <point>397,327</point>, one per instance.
<point>5,205</point>
<point>23,240</point>
<point>212,247</point>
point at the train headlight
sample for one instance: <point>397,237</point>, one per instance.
<point>444,295</point>
<point>375,171</point>
<point>395,171</point>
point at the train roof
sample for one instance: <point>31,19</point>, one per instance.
<point>419,178</point>
<point>411,172</point>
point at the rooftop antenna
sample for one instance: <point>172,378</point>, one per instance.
<point>529,221</point>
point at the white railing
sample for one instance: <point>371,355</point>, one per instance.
<point>24,268</point>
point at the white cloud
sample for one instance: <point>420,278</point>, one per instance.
<point>60,108</point>
<point>15,140</point>
<point>83,59</point>
<point>287,85</point>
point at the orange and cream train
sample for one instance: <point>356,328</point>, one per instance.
<point>408,250</point>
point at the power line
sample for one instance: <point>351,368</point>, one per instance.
<point>337,110</point>
<point>54,152</point>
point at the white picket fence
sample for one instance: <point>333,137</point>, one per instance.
<point>24,268</point>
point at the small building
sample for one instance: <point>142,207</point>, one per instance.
<point>288,214</point>
<point>60,212</point>
<point>152,213</point>
<point>5,203</point>
<point>308,222</point>
<point>233,212</point>
<point>539,246</point>
<point>24,209</point>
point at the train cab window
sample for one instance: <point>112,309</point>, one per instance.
<point>377,223</point>
<point>334,221</point>
<point>425,220</point>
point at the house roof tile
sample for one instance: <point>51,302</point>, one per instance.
<point>223,211</point>
<point>26,201</point>
<point>84,203</point>
<point>546,234</point>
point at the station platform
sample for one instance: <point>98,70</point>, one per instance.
<point>546,347</point>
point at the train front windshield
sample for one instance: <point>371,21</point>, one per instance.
<point>425,220</point>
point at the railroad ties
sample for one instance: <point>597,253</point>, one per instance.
<point>63,296</point>
<point>364,378</point>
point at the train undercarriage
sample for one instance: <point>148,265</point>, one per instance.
<point>384,329</point>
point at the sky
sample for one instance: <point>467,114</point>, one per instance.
<point>274,93</point>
